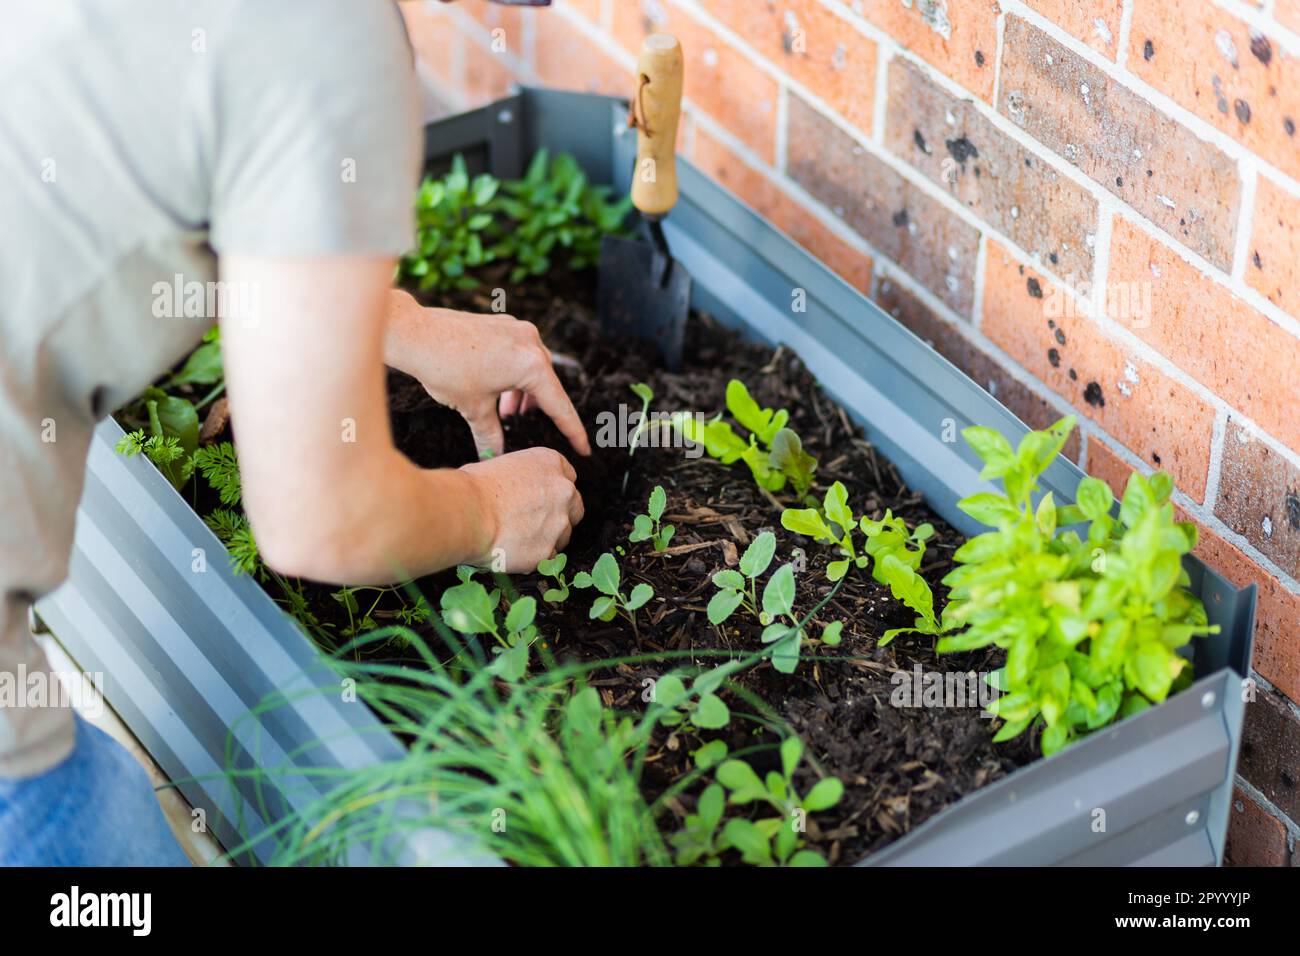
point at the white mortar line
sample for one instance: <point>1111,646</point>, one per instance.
<point>1218,447</point>
<point>1245,222</point>
<point>880,105</point>
<point>1125,31</point>
<point>782,125</point>
<point>997,54</point>
<point>1260,19</point>
<point>1292,829</point>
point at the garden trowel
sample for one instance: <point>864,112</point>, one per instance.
<point>643,291</point>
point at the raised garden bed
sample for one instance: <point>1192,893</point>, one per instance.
<point>187,655</point>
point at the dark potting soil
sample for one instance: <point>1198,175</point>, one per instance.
<point>899,765</point>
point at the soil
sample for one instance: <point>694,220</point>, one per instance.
<point>899,765</point>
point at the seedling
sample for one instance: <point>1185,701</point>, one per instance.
<point>894,553</point>
<point>469,608</point>
<point>1091,626</point>
<point>700,840</point>
<point>773,452</point>
<point>555,208</point>
<point>775,841</point>
<point>698,709</point>
<point>647,527</point>
<point>740,588</point>
<point>783,628</point>
<point>644,392</point>
<point>554,568</point>
<point>453,214</point>
<point>605,578</point>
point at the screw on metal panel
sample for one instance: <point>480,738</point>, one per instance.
<point>1208,699</point>
<point>1192,817</point>
<point>505,116</point>
<point>35,623</point>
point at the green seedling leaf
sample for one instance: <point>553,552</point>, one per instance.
<point>711,713</point>
<point>658,501</point>
<point>521,614</point>
<point>640,595</point>
<point>756,559</point>
<point>722,605</point>
<point>605,574</point>
<point>778,594</point>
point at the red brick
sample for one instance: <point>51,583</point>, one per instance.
<point>1274,266</point>
<point>566,58</point>
<point>1095,22</point>
<point>958,39</point>
<point>789,215</point>
<point>503,26</point>
<point>1183,184</point>
<point>980,367</point>
<point>813,45</point>
<point>587,8</point>
<point>1270,751</point>
<point>1227,73</point>
<point>953,143</point>
<point>897,218</point>
<point>1221,341</point>
<point>1162,421</point>
<point>720,79</point>
<point>433,37</point>
<point>1277,610</point>
<point>488,75</point>
<point>1108,466</point>
<point>1259,497</point>
<point>1255,836</point>
<point>1287,13</point>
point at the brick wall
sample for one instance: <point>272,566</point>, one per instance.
<point>1087,205</point>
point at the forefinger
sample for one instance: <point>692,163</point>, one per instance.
<point>555,402</point>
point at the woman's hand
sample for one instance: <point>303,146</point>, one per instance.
<point>481,365</point>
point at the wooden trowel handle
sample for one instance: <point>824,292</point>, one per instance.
<point>656,109</point>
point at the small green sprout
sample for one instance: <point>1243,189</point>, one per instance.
<point>699,840</point>
<point>646,527</point>
<point>832,524</point>
<point>739,588</point>
<point>777,610</point>
<point>773,452</point>
<point>777,840</point>
<point>470,608</point>
<point>554,568</point>
<point>689,710</point>
<point>605,578</point>
<point>644,392</point>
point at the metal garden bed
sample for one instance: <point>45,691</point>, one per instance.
<point>186,656</point>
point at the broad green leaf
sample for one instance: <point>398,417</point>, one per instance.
<point>639,596</point>
<point>791,751</point>
<point>203,367</point>
<point>778,594</point>
<point>710,755</point>
<point>757,557</point>
<point>752,845</point>
<point>722,605</point>
<point>994,450</point>
<point>603,608</point>
<point>551,567</point>
<point>669,691</point>
<point>467,608</point>
<point>989,508</point>
<point>1094,497</point>
<point>727,578</point>
<point>521,614</point>
<point>711,713</point>
<point>658,501</point>
<point>605,574</point>
<point>831,635</point>
<point>824,795</point>
<point>805,521</point>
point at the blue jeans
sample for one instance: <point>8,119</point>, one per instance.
<point>96,808</point>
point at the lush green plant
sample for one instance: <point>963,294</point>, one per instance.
<point>894,553</point>
<point>647,527</point>
<point>775,840</point>
<point>773,452</point>
<point>605,577</point>
<point>1091,625</point>
<point>554,568</point>
<point>740,588</point>
<point>555,208</point>
<point>453,214</point>
<point>470,608</point>
<point>537,771</point>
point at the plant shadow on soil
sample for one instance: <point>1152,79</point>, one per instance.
<point>899,765</point>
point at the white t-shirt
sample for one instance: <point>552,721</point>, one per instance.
<point>139,140</point>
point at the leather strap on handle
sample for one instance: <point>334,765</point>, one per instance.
<point>656,109</point>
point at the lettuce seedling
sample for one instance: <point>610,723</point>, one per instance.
<point>783,628</point>
<point>894,553</point>
<point>605,578</point>
<point>554,568</point>
<point>1091,626</point>
<point>453,214</point>
<point>773,452</point>
<point>739,588</point>
<point>646,527</point>
<point>777,840</point>
<point>470,608</point>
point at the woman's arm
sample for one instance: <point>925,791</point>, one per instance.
<point>328,495</point>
